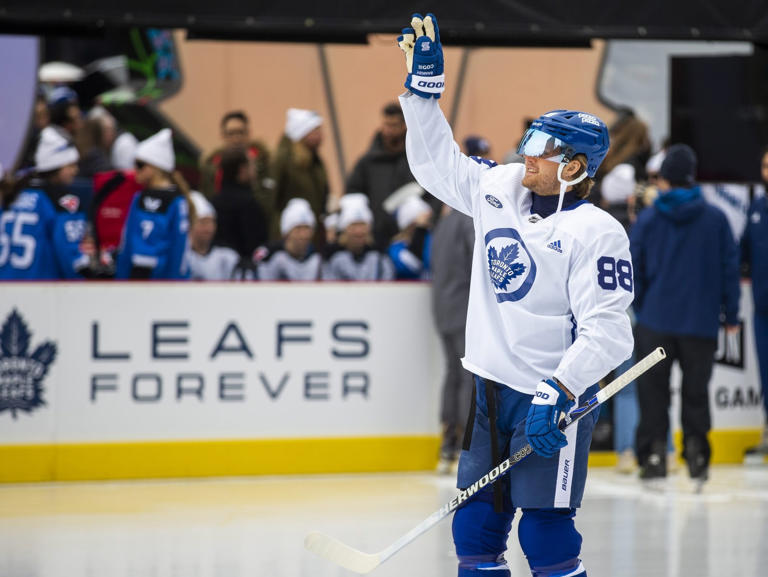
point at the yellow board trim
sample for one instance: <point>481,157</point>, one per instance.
<point>163,459</point>
<point>168,459</point>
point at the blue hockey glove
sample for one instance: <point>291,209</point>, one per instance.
<point>541,425</point>
<point>423,57</point>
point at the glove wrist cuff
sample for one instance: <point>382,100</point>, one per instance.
<point>429,84</point>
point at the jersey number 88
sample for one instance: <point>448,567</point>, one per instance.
<point>613,273</point>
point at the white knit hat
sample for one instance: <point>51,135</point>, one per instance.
<point>54,150</point>
<point>354,208</point>
<point>296,213</point>
<point>124,151</point>
<point>203,208</point>
<point>654,162</point>
<point>410,210</point>
<point>157,150</point>
<point>300,122</point>
<point>619,184</point>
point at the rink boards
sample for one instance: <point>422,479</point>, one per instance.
<point>104,381</point>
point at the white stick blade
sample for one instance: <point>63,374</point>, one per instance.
<point>334,550</point>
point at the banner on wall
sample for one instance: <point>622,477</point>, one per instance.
<point>93,363</point>
<point>84,363</point>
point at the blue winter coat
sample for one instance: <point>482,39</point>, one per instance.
<point>686,266</point>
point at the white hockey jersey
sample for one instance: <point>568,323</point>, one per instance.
<point>548,297</point>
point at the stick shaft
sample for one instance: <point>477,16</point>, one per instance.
<point>494,474</point>
<point>360,562</point>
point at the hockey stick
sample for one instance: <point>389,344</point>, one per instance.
<point>359,562</point>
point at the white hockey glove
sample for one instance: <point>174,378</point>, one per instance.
<point>423,57</point>
<point>541,424</point>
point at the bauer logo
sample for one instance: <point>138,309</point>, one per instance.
<point>22,372</point>
<point>510,265</point>
<point>493,201</point>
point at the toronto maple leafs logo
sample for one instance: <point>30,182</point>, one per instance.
<point>502,265</point>
<point>22,373</point>
<point>511,267</point>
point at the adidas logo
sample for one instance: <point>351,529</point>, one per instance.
<point>555,245</point>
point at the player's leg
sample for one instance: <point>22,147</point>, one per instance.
<point>653,395</point>
<point>481,527</point>
<point>696,363</point>
<point>480,535</point>
<point>548,491</point>
<point>551,543</point>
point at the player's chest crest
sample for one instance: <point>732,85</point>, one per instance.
<point>511,266</point>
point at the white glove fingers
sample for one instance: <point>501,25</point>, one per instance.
<point>429,28</point>
<point>433,23</point>
<point>418,25</point>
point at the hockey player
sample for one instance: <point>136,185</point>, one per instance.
<point>155,233</point>
<point>42,227</point>
<point>551,281</point>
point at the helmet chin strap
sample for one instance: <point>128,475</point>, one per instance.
<point>566,183</point>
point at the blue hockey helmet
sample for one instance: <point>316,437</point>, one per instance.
<point>560,135</point>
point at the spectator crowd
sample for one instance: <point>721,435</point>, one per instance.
<point>91,201</point>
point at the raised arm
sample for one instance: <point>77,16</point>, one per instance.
<point>433,155</point>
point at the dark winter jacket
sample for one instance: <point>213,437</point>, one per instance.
<point>686,266</point>
<point>377,174</point>
<point>754,246</point>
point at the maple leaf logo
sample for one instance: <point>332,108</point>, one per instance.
<point>21,373</point>
<point>502,266</point>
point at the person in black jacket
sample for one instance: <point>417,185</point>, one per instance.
<point>686,274</point>
<point>382,170</point>
<point>242,224</point>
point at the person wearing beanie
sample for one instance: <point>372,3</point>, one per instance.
<point>477,146</point>
<point>206,261</point>
<point>155,234</point>
<point>354,257</point>
<point>293,258</point>
<point>41,221</point>
<point>410,250</point>
<point>686,275</point>
<point>754,251</point>
<point>298,169</point>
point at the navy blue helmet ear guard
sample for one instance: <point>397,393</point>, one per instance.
<point>581,133</point>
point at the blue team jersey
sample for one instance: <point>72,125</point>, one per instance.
<point>155,236</point>
<point>408,265</point>
<point>40,235</point>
